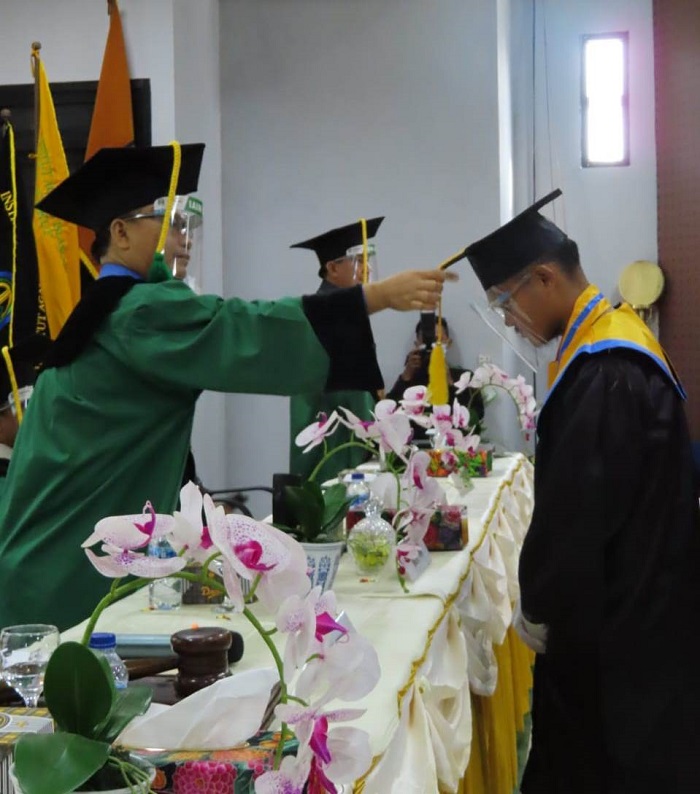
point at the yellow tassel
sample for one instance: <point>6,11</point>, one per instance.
<point>438,393</point>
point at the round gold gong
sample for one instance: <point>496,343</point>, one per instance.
<point>641,284</point>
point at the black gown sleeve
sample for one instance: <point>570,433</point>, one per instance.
<point>341,323</point>
<point>603,450</point>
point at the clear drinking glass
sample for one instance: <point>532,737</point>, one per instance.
<point>24,653</point>
<point>227,606</point>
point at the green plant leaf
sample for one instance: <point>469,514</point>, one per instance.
<point>336,504</point>
<point>57,763</point>
<point>78,689</point>
<point>305,502</point>
<point>130,703</point>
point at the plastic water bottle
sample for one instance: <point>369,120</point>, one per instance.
<point>358,491</point>
<point>105,644</point>
<point>165,593</point>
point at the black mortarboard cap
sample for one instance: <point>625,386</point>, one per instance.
<point>118,180</point>
<point>334,244</point>
<point>515,245</point>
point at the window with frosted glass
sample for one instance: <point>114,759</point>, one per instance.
<point>605,101</point>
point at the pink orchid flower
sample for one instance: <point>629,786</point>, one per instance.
<point>306,621</point>
<point>315,433</point>
<point>423,490</point>
<point>297,619</point>
<point>189,533</point>
<point>125,540</point>
<point>132,531</point>
<point>468,380</point>
<point>464,443</point>
<point>340,755</point>
<point>250,549</point>
<point>441,418</point>
<point>362,429</point>
<point>393,427</point>
<point>346,669</point>
<point>415,400</point>
<point>290,778</point>
<point>460,415</point>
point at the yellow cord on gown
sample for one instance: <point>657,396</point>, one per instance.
<point>13,381</point>
<point>365,263</point>
<point>10,132</point>
<point>172,189</point>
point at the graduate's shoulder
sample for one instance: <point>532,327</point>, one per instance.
<point>618,364</point>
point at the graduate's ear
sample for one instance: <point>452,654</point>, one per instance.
<point>119,233</point>
<point>547,274</point>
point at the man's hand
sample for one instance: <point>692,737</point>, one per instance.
<point>414,361</point>
<point>534,635</point>
<point>412,290</point>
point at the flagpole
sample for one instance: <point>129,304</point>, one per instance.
<point>36,49</point>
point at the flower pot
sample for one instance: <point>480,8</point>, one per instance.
<point>141,789</point>
<point>322,561</point>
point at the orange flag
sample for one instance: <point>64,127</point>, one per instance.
<point>112,118</point>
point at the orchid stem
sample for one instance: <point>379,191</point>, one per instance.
<point>280,670</point>
<point>115,593</point>
<point>330,454</point>
<point>297,700</point>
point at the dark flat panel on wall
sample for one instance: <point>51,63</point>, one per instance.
<point>74,103</point>
<point>677,78</point>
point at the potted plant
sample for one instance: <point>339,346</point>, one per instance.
<point>317,657</point>
<point>89,714</point>
<point>315,516</point>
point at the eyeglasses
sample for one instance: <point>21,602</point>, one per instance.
<point>504,301</point>
<point>137,216</point>
<point>179,223</point>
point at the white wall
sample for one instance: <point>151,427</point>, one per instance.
<point>73,34</point>
<point>333,111</point>
<point>610,212</point>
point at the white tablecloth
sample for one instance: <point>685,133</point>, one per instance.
<point>432,644</point>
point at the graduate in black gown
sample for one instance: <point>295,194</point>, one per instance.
<point>610,567</point>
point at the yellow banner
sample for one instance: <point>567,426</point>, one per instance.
<point>56,241</point>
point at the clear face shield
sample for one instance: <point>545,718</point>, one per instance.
<point>25,392</point>
<point>361,273</point>
<point>183,244</point>
<point>505,316</point>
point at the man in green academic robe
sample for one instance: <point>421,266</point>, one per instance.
<point>108,427</point>
<point>341,266</point>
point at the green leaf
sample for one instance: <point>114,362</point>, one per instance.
<point>78,689</point>
<point>57,763</point>
<point>130,703</point>
<point>305,502</point>
<point>336,503</point>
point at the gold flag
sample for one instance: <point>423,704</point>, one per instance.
<point>56,240</point>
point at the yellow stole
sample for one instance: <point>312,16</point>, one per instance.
<point>596,326</point>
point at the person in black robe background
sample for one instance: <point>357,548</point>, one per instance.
<point>610,566</point>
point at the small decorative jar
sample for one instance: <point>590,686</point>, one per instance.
<point>372,540</point>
